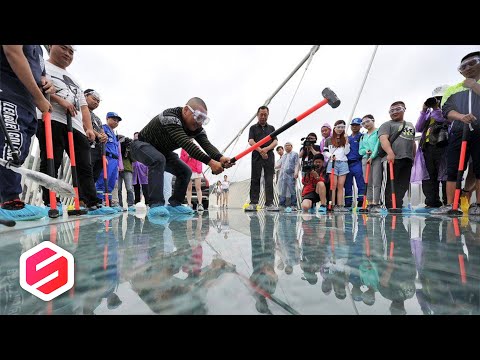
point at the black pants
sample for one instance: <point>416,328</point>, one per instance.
<point>268,167</point>
<point>86,185</point>
<point>433,156</point>
<point>136,189</point>
<point>402,169</point>
<point>158,163</point>
<point>97,163</point>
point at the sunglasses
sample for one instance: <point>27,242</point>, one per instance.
<point>396,110</point>
<point>469,63</point>
<point>200,117</point>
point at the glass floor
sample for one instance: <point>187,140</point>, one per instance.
<point>226,261</point>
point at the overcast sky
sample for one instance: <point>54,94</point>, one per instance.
<point>138,82</point>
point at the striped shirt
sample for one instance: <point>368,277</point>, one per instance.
<point>167,132</point>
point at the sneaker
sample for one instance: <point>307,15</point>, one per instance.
<point>378,209</point>
<point>159,211</point>
<point>442,210</point>
<point>17,210</point>
<point>322,209</point>
<point>474,209</point>
<point>340,209</point>
<point>251,207</point>
<point>272,208</point>
<point>180,209</point>
<point>294,208</point>
<point>200,207</point>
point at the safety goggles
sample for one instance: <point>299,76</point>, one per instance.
<point>366,121</point>
<point>469,63</point>
<point>339,127</point>
<point>95,94</point>
<point>200,117</point>
<point>396,110</point>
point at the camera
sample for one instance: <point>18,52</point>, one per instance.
<point>431,102</point>
<point>307,142</point>
<point>308,166</point>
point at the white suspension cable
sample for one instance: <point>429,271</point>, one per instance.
<point>301,79</point>
<point>361,88</point>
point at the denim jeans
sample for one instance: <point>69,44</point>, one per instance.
<point>127,177</point>
<point>158,163</point>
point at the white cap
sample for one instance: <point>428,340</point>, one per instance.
<point>440,90</point>
<point>73,47</point>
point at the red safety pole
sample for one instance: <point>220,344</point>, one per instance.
<point>367,174</point>
<point>73,166</point>
<point>332,185</point>
<point>47,122</point>
<point>394,196</point>
<point>461,169</point>
<point>105,175</point>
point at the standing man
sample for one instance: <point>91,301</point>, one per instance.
<point>125,174</point>
<point>22,79</point>
<point>93,100</point>
<point>278,164</point>
<point>69,97</point>
<point>288,176</point>
<point>354,166</point>
<point>113,154</point>
<point>400,152</point>
<point>455,107</point>
<point>262,158</point>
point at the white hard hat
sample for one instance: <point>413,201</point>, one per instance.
<point>440,90</point>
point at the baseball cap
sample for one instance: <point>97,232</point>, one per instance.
<point>112,114</point>
<point>356,121</point>
<point>73,47</point>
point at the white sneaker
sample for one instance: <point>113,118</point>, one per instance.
<point>200,207</point>
<point>442,210</point>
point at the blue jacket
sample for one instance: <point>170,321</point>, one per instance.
<point>111,146</point>
<point>354,141</point>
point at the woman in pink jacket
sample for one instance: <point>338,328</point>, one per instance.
<point>196,167</point>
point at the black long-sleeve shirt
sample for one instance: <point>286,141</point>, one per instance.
<point>167,132</point>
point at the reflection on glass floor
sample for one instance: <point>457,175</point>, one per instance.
<point>232,262</point>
